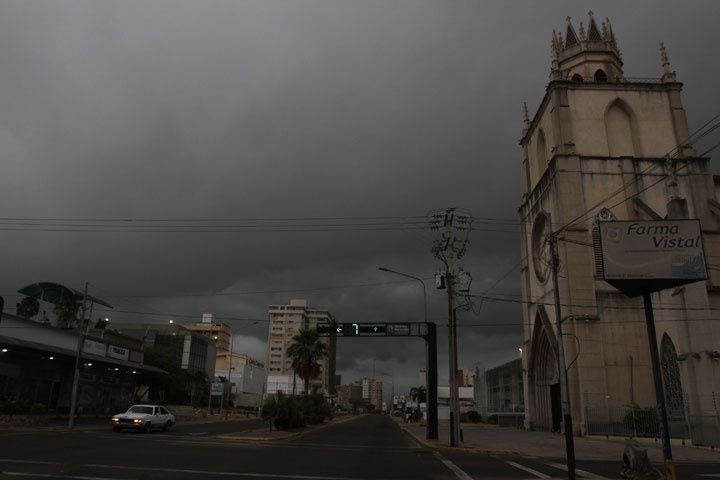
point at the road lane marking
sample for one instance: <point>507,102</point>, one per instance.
<point>223,474</point>
<point>581,473</point>
<point>39,462</point>
<point>54,475</point>
<point>454,468</point>
<point>528,470</point>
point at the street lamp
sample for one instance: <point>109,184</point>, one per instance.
<point>414,278</point>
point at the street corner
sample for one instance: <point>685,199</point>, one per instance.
<point>437,445</point>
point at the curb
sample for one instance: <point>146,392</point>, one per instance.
<point>307,429</point>
<point>434,446</point>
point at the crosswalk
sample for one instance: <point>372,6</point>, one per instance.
<point>554,465</point>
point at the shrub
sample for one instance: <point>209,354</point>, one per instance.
<point>471,416</point>
<point>12,406</point>
<point>38,408</point>
<point>641,420</point>
<point>283,411</point>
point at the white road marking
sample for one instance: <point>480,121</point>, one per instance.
<point>528,470</point>
<point>454,468</point>
<point>53,475</point>
<point>223,474</point>
<point>581,473</point>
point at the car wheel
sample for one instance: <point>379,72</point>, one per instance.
<point>167,425</point>
<point>147,427</point>
<point>116,429</point>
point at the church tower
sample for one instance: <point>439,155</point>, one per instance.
<point>603,141</point>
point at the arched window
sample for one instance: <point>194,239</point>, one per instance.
<point>671,378</point>
<point>541,153</point>
<point>600,76</point>
<point>577,78</point>
<point>621,131</point>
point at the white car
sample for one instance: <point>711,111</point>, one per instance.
<point>143,418</point>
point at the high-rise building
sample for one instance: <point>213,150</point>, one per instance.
<point>601,145</point>
<point>372,392</point>
<point>217,331</point>
<point>285,322</point>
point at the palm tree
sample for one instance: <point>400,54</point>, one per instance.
<point>306,352</point>
<point>418,394</point>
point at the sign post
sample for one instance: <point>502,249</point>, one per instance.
<point>642,257</point>
<point>425,330</point>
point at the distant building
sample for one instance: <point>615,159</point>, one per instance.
<point>504,386</point>
<point>350,396</point>
<point>287,384</point>
<point>192,351</point>
<point>246,375</point>
<point>422,378</point>
<point>218,332</point>
<point>372,392</point>
<point>466,377</point>
<point>285,322</point>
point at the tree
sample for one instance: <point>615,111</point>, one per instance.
<point>306,352</point>
<point>28,307</point>
<point>66,312</point>
<point>418,394</point>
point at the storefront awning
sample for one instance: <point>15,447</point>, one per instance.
<point>9,342</point>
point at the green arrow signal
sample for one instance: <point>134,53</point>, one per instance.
<point>338,329</point>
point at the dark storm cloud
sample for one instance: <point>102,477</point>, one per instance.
<point>310,108</point>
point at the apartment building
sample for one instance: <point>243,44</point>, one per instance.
<point>285,322</point>
<point>372,392</point>
<point>218,332</point>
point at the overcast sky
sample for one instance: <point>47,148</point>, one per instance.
<point>292,109</point>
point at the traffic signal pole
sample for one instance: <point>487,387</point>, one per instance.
<point>432,379</point>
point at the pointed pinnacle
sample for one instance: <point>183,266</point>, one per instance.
<point>526,117</point>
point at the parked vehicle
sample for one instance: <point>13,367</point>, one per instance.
<point>143,418</point>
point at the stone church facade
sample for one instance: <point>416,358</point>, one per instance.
<point>603,140</point>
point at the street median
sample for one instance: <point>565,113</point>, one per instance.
<point>264,435</point>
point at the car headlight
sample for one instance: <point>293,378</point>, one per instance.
<point>137,420</point>
<point>115,419</point>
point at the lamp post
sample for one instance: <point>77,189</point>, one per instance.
<point>414,278</point>
<point>430,361</point>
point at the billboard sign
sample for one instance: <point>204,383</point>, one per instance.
<point>96,348</point>
<point>217,388</point>
<point>652,255</point>
<point>120,353</point>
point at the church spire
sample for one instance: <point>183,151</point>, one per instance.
<point>586,54</point>
<point>571,38</point>
<point>593,34</point>
<point>668,73</point>
<point>526,118</point>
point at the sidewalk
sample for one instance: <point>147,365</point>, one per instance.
<point>505,440</point>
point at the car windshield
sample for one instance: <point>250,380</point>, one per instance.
<point>137,409</point>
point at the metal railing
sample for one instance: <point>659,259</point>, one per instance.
<point>701,427</point>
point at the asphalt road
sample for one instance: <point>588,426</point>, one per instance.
<point>368,447</point>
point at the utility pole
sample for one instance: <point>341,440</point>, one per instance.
<point>78,359</point>
<point>562,370</point>
<point>453,222</point>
